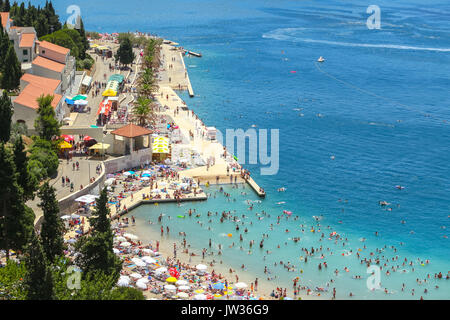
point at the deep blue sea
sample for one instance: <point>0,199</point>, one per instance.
<point>384,103</point>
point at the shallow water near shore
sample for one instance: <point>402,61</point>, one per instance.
<point>383,96</point>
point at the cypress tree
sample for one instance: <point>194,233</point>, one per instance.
<point>4,45</point>
<point>12,71</point>
<point>52,230</point>
<point>6,6</point>
<point>6,111</point>
<point>38,278</point>
<point>26,181</point>
<point>125,52</point>
<point>100,218</point>
<point>97,255</point>
<point>16,219</point>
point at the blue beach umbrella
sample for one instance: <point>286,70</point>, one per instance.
<point>146,175</point>
<point>218,286</point>
<point>131,172</point>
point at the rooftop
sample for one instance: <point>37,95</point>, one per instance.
<point>28,97</point>
<point>131,131</point>
<point>53,47</point>
<point>27,40</point>
<point>48,64</point>
<point>5,18</point>
<point>45,83</point>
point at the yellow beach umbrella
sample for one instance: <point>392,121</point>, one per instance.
<point>65,145</point>
<point>199,291</point>
<point>171,280</point>
<point>217,295</point>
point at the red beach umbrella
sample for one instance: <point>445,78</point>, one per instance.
<point>87,138</point>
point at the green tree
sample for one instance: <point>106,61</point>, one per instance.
<point>142,110</point>
<point>43,162</point>
<point>38,279</point>
<point>46,124</point>
<point>41,25</point>
<point>16,219</point>
<point>52,230</point>
<point>6,111</point>
<point>125,53</point>
<point>26,181</point>
<point>12,71</point>
<point>6,6</point>
<point>4,45</point>
<point>97,255</point>
<point>99,220</point>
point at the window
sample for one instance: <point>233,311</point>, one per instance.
<point>25,52</point>
<point>43,51</point>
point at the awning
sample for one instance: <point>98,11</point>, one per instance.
<point>70,101</point>
<point>104,107</point>
<point>109,93</point>
<point>160,145</point>
<point>86,81</point>
<point>117,77</point>
<point>100,146</point>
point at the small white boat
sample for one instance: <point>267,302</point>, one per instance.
<point>321,59</point>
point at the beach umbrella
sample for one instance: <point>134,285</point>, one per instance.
<point>149,251</point>
<point>217,296</point>
<point>145,178</point>
<point>87,138</point>
<point>131,236</point>
<point>138,262</point>
<point>146,172</point>
<point>161,270</point>
<point>171,280</point>
<point>141,285</point>
<point>201,267</point>
<point>199,291</point>
<point>181,283</point>
<point>75,216</point>
<point>241,285</point>
<point>148,260</point>
<point>183,295</point>
<point>218,286</point>
<point>170,287</point>
<point>127,174</point>
<point>200,297</point>
<point>124,281</point>
<point>120,239</point>
<point>116,251</point>
<point>65,217</point>
<point>184,288</point>
<point>71,240</point>
<point>143,280</point>
<point>146,175</point>
<point>125,244</point>
<point>135,275</point>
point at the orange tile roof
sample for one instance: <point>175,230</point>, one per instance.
<point>27,40</point>
<point>45,83</point>
<point>53,47</point>
<point>131,131</point>
<point>28,97</point>
<point>48,64</point>
<point>5,18</point>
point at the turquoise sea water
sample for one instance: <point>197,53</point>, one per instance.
<point>384,97</point>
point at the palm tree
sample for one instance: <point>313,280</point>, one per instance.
<point>143,110</point>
